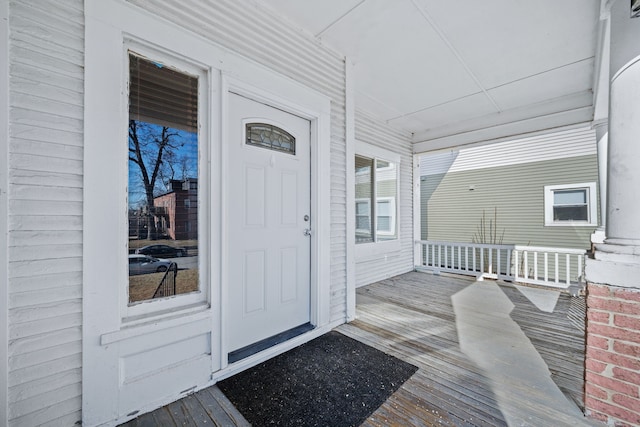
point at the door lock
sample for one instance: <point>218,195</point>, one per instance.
<point>307,232</point>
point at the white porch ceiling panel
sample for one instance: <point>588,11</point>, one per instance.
<point>438,68</point>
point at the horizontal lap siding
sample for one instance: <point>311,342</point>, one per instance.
<point>45,204</point>
<point>451,212</point>
<point>245,28</point>
<point>373,132</point>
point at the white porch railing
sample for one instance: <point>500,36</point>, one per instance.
<point>556,267</point>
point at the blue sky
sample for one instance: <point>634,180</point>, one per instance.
<point>184,162</point>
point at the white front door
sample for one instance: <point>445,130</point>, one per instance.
<point>269,212</point>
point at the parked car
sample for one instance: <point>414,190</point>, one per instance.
<point>143,264</point>
<point>164,251</point>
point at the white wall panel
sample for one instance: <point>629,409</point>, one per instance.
<point>373,132</point>
<point>45,211</point>
<point>268,40</point>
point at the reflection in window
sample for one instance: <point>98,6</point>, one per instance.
<point>375,178</point>
<point>271,137</point>
<point>570,205</point>
<point>163,181</point>
<point>364,195</point>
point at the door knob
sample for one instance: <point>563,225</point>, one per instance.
<point>307,232</point>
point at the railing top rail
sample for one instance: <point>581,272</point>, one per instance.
<point>548,249</point>
<point>503,246</point>
<point>471,245</point>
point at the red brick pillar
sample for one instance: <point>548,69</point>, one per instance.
<point>613,355</point>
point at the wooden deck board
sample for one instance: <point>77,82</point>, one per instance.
<point>411,317</point>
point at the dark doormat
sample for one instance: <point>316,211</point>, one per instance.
<point>332,381</point>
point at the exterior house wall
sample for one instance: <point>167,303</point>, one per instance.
<point>292,53</point>
<point>165,206</point>
<point>399,260</point>
<point>46,60</point>
<point>45,215</point>
<point>454,198</point>
<point>177,211</point>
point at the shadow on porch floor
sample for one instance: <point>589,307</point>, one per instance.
<point>489,354</point>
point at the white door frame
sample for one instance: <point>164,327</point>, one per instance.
<point>108,24</point>
<point>287,97</point>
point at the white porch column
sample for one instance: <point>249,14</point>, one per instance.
<point>623,224</point>
<point>602,138</point>
<point>613,275</point>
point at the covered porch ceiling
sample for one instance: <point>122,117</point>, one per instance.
<point>454,73</point>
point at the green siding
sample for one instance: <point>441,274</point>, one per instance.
<point>451,212</point>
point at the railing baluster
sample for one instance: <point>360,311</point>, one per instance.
<point>568,272</point>
<point>473,254</point>
<point>466,258</point>
<point>516,255</point>
<point>498,254</point>
<point>557,270</point>
<point>546,266</point>
<point>535,266</point>
<point>580,272</point>
<point>446,252</point>
<point>525,255</point>
<point>490,261</point>
<point>433,255</point>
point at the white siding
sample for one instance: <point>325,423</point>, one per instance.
<point>550,146</point>
<point>375,133</point>
<point>268,40</point>
<point>45,211</point>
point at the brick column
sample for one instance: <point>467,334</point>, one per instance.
<point>613,354</point>
<point>612,386</point>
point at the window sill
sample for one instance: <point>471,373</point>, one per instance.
<point>377,250</point>
<point>133,327</point>
<point>570,224</point>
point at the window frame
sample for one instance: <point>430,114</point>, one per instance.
<point>135,312</point>
<point>378,248</point>
<point>592,206</point>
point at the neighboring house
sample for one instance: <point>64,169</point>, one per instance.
<point>537,191</point>
<point>176,211</point>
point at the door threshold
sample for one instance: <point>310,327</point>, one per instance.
<point>266,343</point>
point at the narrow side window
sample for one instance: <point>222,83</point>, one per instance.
<point>162,181</point>
<point>376,193</point>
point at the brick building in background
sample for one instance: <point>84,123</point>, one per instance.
<point>176,212</point>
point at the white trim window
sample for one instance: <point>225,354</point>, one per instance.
<point>574,205</point>
<point>164,138</point>
<point>376,194</point>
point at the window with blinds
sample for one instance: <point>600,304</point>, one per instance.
<point>162,180</point>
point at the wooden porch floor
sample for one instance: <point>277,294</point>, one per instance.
<point>476,367</point>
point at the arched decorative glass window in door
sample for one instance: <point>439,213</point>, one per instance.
<point>270,137</point>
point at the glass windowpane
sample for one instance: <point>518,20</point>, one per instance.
<point>162,181</point>
<point>570,213</point>
<point>364,195</point>
<point>570,197</point>
<point>270,137</point>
